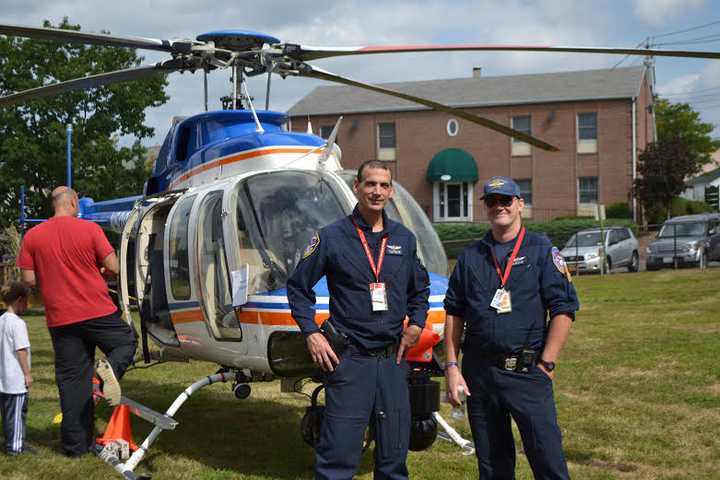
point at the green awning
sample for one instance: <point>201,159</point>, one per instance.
<point>454,163</point>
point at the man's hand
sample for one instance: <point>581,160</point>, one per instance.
<point>28,381</point>
<point>321,352</point>
<point>454,380</point>
<point>546,372</point>
<point>409,339</point>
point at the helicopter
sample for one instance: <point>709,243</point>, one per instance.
<point>232,202</point>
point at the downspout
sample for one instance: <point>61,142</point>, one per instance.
<point>634,158</point>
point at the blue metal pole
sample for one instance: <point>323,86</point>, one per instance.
<point>22,208</point>
<point>69,155</point>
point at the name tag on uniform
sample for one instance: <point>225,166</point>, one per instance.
<point>378,297</point>
<point>501,301</point>
<point>394,250</point>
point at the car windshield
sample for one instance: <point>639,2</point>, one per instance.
<point>684,229</point>
<point>584,239</point>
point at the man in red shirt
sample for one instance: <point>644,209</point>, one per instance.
<point>64,258</point>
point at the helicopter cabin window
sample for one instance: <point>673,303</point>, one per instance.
<point>521,124</point>
<point>213,270</point>
<point>386,141</point>
<point>278,213</point>
<point>587,132</point>
<point>178,250</point>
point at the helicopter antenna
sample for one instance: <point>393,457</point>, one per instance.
<point>330,144</point>
<point>258,127</point>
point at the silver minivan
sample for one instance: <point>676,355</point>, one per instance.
<point>582,251</point>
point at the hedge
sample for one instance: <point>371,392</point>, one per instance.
<point>559,231</point>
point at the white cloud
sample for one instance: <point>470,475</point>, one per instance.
<point>656,12</point>
<point>680,85</point>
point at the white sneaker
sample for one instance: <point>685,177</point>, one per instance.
<point>110,385</point>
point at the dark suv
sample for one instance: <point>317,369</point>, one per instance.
<point>690,240</point>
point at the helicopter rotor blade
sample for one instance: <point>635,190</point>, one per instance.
<point>74,36</point>
<point>307,70</point>
<point>91,81</point>
<point>306,53</point>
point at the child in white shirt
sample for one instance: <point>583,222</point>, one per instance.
<point>15,377</point>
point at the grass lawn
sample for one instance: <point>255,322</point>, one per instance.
<point>638,392</point>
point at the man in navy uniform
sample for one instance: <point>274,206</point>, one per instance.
<point>503,289</point>
<point>375,281</point>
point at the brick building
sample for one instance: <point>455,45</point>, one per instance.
<point>599,119</point>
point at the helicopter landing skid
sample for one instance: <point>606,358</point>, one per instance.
<point>451,435</point>
<point>127,469</point>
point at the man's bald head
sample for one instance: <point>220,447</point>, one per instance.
<point>65,201</point>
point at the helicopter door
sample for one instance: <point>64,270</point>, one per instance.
<point>127,263</point>
<point>150,276</point>
<point>213,274</point>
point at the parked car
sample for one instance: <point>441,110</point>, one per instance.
<point>582,251</point>
<point>687,240</point>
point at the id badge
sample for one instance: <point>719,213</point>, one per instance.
<point>378,296</point>
<point>501,301</point>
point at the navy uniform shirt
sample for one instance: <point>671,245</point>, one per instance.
<point>538,286</point>
<point>338,253</point>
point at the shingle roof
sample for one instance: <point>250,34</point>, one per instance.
<point>619,83</point>
<point>706,177</point>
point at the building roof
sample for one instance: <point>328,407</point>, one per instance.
<point>706,177</point>
<point>605,84</point>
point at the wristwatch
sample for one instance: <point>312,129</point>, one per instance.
<point>549,366</point>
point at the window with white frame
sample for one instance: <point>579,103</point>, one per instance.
<point>588,190</point>
<point>525,185</point>
<point>587,132</point>
<point>521,124</point>
<point>452,201</point>
<point>386,140</point>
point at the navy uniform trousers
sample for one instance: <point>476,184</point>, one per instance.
<point>498,394</point>
<point>364,389</point>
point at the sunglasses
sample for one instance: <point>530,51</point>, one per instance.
<point>502,200</point>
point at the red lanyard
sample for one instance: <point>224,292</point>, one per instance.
<point>371,261</point>
<point>508,267</point>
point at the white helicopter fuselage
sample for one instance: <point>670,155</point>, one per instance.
<point>206,263</point>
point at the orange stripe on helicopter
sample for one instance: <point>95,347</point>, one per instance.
<point>186,316</point>
<point>278,319</point>
<point>240,157</point>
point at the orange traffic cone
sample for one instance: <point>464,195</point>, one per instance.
<point>119,428</point>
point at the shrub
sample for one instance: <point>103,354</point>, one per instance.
<point>618,210</point>
<point>559,231</point>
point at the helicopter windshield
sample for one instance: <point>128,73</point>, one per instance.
<point>278,213</point>
<point>404,209</point>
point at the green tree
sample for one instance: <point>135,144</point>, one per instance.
<point>679,120</point>
<point>33,137</point>
<point>662,170</point>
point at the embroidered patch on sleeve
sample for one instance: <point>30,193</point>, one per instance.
<point>312,246</point>
<point>559,262</point>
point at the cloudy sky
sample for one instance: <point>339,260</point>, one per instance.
<point>673,24</point>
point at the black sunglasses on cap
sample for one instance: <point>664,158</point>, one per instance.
<point>502,200</point>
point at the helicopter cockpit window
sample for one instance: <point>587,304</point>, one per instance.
<point>404,209</point>
<point>213,270</point>
<point>178,250</point>
<point>279,213</point>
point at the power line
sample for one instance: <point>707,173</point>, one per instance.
<point>687,29</point>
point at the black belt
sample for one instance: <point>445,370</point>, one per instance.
<point>386,351</point>
<point>515,362</point>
